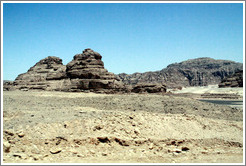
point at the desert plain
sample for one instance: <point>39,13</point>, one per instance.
<point>172,127</point>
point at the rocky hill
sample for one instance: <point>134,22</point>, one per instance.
<point>85,72</point>
<point>193,72</point>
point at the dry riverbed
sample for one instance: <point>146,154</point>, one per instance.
<point>53,127</point>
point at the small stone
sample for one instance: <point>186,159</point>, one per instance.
<point>80,155</point>
<point>104,154</point>
<point>185,149</point>
<point>137,131</point>
<point>6,146</point>
<point>21,134</point>
<point>73,151</point>
<point>205,152</point>
<point>17,155</point>
<point>177,150</point>
<point>55,150</point>
<point>151,146</point>
<point>92,151</point>
<point>9,132</point>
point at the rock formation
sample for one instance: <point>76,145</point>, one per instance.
<point>8,85</point>
<point>194,72</point>
<point>234,80</point>
<point>42,75</point>
<point>85,72</point>
<point>149,88</point>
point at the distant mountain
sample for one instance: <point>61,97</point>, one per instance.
<point>193,72</point>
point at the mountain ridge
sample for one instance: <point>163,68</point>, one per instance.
<point>192,72</point>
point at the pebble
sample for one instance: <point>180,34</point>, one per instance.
<point>137,131</point>
<point>177,150</point>
<point>104,154</point>
<point>151,146</point>
<point>6,146</point>
<point>185,149</point>
<point>55,150</point>
<point>92,151</point>
<point>21,135</point>
<point>80,155</point>
<point>9,132</point>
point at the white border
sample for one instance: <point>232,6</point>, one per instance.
<point>243,2</point>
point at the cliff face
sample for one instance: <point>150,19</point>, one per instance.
<point>194,72</point>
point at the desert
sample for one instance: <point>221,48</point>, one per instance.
<point>130,83</point>
<point>69,127</point>
<point>81,113</point>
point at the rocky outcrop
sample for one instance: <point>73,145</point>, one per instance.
<point>234,80</point>
<point>8,85</point>
<point>194,72</point>
<point>85,72</point>
<point>44,75</point>
<point>149,88</point>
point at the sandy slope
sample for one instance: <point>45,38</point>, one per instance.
<point>210,89</point>
<point>87,127</point>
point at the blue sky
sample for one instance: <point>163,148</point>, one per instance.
<point>130,37</point>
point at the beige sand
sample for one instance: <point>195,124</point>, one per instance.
<point>53,127</point>
<point>210,89</point>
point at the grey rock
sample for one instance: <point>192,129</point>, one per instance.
<point>193,72</point>
<point>149,88</point>
<point>233,80</point>
<point>85,72</point>
<point>42,76</point>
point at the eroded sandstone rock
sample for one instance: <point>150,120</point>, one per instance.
<point>85,72</point>
<point>42,75</point>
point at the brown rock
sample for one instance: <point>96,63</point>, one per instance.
<point>6,146</point>
<point>55,150</point>
<point>193,72</point>
<point>233,80</point>
<point>87,72</point>
<point>149,88</point>
<point>43,75</point>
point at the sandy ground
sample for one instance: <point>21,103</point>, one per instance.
<point>53,127</point>
<point>209,89</point>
